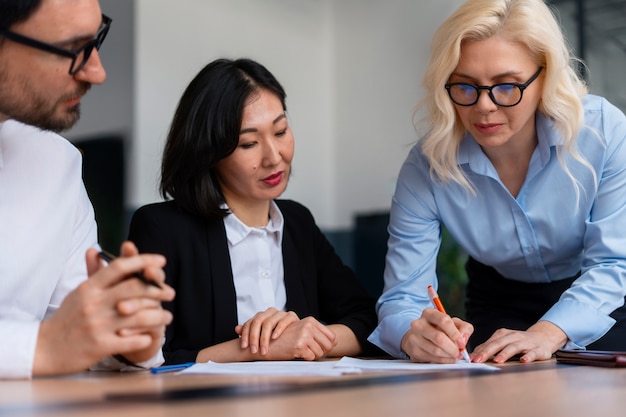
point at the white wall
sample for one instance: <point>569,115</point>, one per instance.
<point>381,51</point>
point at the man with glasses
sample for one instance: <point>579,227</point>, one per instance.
<point>52,319</point>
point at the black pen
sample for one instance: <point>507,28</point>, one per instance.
<point>109,258</point>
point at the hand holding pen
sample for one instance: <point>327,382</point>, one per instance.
<point>107,315</point>
<point>434,297</point>
<point>139,302</point>
<point>109,258</point>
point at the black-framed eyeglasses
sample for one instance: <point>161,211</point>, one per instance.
<point>79,56</point>
<point>503,94</point>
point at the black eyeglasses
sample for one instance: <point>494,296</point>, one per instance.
<point>79,56</point>
<point>503,94</point>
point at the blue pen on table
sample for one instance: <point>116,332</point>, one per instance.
<point>171,368</point>
<point>434,297</point>
<point>109,258</point>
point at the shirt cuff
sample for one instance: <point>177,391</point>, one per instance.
<point>389,333</point>
<point>581,323</point>
<point>17,350</point>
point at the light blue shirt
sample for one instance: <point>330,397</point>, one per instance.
<point>543,235</point>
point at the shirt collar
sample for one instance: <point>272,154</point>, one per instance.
<point>236,230</point>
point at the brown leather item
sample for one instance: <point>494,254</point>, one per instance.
<point>604,358</point>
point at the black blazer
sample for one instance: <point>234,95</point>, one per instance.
<point>198,267</point>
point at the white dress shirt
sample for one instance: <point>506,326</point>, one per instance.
<point>257,264</point>
<point>47,224</point>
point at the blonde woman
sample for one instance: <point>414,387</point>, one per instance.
<point>527,172</point>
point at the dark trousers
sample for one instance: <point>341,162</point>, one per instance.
<point>493,302</point>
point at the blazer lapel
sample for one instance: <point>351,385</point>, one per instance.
<point>224,298</point>
<point>296,297</point>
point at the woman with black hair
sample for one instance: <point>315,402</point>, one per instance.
<point>255,277</point>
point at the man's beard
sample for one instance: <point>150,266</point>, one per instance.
<point>50,120</point>
<point>56,124</point>
<point>37,112</point>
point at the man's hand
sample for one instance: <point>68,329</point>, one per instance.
<point>110,313</point>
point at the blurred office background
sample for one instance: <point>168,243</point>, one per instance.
<point>352,71</point>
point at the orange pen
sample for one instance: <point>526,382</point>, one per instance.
<point>434,297</point>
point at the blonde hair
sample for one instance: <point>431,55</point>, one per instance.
<point>528,22</point>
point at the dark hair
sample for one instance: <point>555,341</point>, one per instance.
<point>14,11</point>
<point>205,130</point>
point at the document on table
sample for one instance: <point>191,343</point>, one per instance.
<point>405,365</point>
<point>300,368</point>
<point>345,365</point>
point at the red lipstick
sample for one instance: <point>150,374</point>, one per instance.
<point>273,179</point>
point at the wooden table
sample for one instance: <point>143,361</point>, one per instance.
<point>532,390</point>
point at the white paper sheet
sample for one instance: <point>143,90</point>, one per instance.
<point>405,365</point>
<point>345,365</point>
<point>300,368</point>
